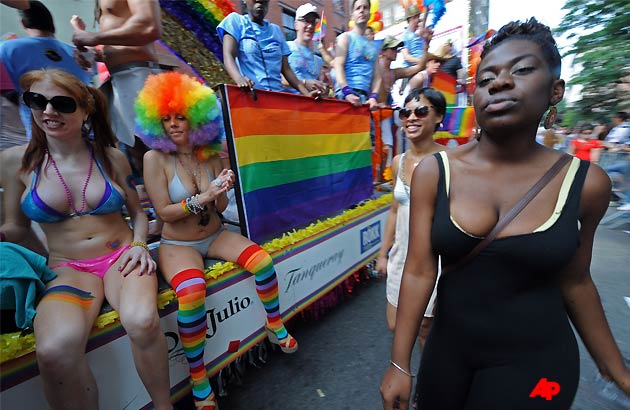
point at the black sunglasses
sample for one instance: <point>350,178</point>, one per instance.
<point>35,101</point>
<point>310,20</point>
<point>420,112</point>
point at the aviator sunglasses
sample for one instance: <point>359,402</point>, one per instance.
<point>420,112</point>
<point>63,104</point>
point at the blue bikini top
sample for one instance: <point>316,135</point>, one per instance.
<point>176,189</point>
<point>37,210</point>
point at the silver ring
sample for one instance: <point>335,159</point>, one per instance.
<point>218,182</point>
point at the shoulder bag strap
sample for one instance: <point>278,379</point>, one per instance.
<point>512,213</point>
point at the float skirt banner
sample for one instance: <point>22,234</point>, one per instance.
<point>297,159</point>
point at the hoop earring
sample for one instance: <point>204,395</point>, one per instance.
<point>477,135</point>
<point>551,117</point>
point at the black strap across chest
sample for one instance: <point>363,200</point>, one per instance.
<point>512,213</point>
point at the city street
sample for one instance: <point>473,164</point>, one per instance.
<point>343,355</point>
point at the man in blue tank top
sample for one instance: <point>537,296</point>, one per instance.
<point>356,71</point>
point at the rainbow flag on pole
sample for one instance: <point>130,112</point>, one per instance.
<point>320,28</point>
<point>297,160</point>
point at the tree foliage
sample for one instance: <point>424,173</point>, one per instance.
<point>602,54</point>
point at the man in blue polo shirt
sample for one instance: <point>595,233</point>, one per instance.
<point>255,52</point>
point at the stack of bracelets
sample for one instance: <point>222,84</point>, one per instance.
<point>191,205</point>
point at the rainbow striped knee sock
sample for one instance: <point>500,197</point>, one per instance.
<point>190,287</point>
<point>257,261</point>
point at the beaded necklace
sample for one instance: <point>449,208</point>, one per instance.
<point>204,217</point>
<point>193,175</point>
<point>75,212</point>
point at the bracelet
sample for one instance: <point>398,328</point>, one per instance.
<point>3,237</point>
<point>373,95</point>
<point>304,82</point>
<point>185,207</point>
<point>347,91</point>
<point>393,363</point>
<point>193,204</point>
<point>141,244</point>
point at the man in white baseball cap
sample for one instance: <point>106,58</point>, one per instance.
<point>305,64</point>
<point>304,10</point>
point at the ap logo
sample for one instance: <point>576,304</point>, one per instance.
<point>545,389</point>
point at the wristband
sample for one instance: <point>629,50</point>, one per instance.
<point>141,244</point>
<point>185,207</point>
<point>373,95</point>
<point>3,237</point>
<point>346,91</point>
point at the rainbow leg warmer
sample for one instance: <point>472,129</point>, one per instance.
<point>190,287</point>
<point>257,261</point>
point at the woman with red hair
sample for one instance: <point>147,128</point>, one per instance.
<point>75,188</point>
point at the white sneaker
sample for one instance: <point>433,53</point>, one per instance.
<point>624,207</point>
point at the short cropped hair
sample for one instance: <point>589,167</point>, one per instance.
<point>434,96</point>
<point>531,30</point>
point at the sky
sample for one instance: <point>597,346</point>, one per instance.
<point>548,12</point>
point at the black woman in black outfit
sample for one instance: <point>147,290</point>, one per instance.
<point>501,337</point>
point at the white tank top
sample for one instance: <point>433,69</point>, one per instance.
<point>400,190</point>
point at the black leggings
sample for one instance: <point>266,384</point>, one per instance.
<point>454,375</point>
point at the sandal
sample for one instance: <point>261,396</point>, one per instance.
<point>287,345</point>
<point>207,404</point>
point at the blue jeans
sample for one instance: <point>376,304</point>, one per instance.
<point>622,168</point>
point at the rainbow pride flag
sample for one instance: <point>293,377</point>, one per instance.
<point>445,83</point>
<point>460,121</point>
<point>297,160</point>
<point>320,28</point>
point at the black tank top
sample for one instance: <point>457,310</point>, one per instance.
<point>508,295</point>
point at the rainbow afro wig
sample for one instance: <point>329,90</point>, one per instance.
<point>176,93</point>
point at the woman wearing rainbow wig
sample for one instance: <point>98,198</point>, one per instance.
<point>180,119</point>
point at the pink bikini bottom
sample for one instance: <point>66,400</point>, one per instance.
<point>96,266</point>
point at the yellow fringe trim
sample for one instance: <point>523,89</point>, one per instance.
<point>291,238</point>
<point>13,345</point>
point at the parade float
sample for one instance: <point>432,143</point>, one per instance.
<point>304,190</point>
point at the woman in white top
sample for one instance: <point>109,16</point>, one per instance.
<point>421,116</point>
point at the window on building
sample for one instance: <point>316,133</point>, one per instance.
<point>339,7</point>
<point>288,20</point>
